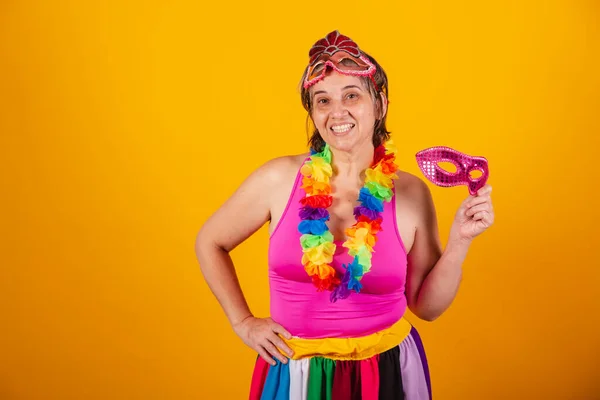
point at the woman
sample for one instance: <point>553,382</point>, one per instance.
<point>354,242</point>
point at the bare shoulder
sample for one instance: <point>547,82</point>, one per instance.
<point>272,178</point>
<point>412,188</point>
<point>278,171</point>
<point>252,204</point>
<point>282,172</point>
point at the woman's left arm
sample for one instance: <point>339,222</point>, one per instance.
<point>434,276</point>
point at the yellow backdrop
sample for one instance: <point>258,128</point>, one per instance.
<point>123,125</point>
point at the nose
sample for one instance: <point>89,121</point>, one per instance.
<point>338,109</point>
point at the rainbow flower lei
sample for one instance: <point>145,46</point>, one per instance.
<point>317,242</point>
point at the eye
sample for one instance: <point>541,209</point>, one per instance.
<point>322,101</point>
<point>352,96</point>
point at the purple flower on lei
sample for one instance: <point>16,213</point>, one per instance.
<point>367,212</point>
<point>349,282</point>
<point>314,213</point>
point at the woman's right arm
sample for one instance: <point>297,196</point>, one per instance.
<point>237,219</point>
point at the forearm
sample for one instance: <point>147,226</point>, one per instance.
<point>219,272</point>
<point>441,285</point>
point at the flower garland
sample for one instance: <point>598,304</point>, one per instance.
<point>317,242</point>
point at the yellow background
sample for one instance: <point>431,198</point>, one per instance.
<point>124,124</point>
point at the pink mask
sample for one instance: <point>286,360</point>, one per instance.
<point>339,53</point>
<point>428,160</point>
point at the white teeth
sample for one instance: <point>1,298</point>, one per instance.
<point>342,128</point>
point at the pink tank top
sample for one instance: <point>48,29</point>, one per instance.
<point>306,313</point>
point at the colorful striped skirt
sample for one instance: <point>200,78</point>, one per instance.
<point>387,365</point>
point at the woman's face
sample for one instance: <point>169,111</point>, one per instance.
<point>343,111</point>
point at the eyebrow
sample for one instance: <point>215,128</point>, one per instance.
<point>345,87</point>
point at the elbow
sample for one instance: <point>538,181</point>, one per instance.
<point>204,245</point>
<point>428,315</point>
<point>200,243</point>
<point>207,253</point>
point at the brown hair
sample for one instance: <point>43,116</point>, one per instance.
<point>380,132</point>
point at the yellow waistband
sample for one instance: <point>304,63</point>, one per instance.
<point>358,348</point>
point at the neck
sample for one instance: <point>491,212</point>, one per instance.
<point>351,164</point>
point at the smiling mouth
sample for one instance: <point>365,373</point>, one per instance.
<point>342,128</point>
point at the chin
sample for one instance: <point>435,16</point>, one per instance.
<point>340,142</point>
